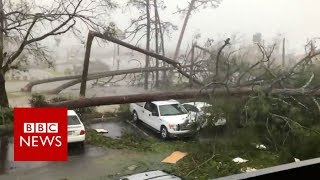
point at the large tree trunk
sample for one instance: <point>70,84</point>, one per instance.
<point>158,21</point>
<point>3,93</point>
<point>184,26</point>
<point>86,65</point>
<point>146,75</point>
<point>58,89</point>
<point>245,91</point>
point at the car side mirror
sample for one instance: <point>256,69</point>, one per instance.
<point>155,114</point>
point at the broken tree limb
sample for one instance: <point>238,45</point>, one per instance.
<point>107,37</point>
<point>29,86</point>
<point>58,89</point>
<point>226,42</point>
<point>86,64</point>
<point>192,94</point>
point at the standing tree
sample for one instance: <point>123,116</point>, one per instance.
<point>149,25</point>
<point>146,75</point>
<point>26,23</point>
<point>193,6</point>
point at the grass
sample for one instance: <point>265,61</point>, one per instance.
<point>204,160</point>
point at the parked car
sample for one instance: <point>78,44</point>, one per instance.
<point>76,130</point>
<point>169,118</point>
<point>156,175</point>
<point>198,109</point>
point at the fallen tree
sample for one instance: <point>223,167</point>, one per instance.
<point>77,78</point>
<point>192,94</point>
<point>109,37</point>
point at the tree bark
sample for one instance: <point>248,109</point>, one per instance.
<point>184,26</point>
<point>86,65</point>
<point>146,75</point>
<point>3,93</point>
<point>246,91</point>
<point>164,73</point>
<point>192,64</point>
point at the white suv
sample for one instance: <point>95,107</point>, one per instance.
<point>76,130</point>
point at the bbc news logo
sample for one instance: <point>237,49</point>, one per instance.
<point>40,134</point>
<point>36,141</point>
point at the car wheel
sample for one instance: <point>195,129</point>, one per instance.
<point>164,133</point>
<point>135,117</point>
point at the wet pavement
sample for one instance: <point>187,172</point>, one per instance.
<point>115,128</point>
<point>83,163</point>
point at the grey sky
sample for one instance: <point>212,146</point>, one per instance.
<point>295,19</point>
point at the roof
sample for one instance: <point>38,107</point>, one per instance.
<point>172,101</point>
<point>71,113</point>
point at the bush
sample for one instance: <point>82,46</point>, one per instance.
<point>37,100</point>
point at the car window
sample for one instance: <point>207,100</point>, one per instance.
<point>189,107</point>
<point>147,106</point>
<point>73,120</point>
<point>172,109</point>
<point>151,107</point>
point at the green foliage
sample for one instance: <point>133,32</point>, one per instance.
<point>37,100</point>
<point>127,141</point>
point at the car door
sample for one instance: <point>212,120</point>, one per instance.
<point>145,112</point>
<point>154,119</point>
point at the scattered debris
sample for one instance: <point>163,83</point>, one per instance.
<point>239,160</point>
<point>296,160</point>
<point>174,157</point>
<point>261,146</point>
<point>101,131</point>
<point>132,167</point>
<point>248,169</point>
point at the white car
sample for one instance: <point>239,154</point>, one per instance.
<point>198,109</point>
<point>169,118</point>
<point>76,130</point>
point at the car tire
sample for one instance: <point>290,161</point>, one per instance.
<point>164,134</point>
<point>135,117</point>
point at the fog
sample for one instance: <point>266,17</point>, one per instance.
<point>294,20</point>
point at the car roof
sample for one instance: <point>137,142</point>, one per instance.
<point>159,103</point>
<point>72,113</point>
<point>199,104</point>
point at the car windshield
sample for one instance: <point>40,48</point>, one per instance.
<point>172,109</point>
<point>191,108</point>
<point>73,120</point>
